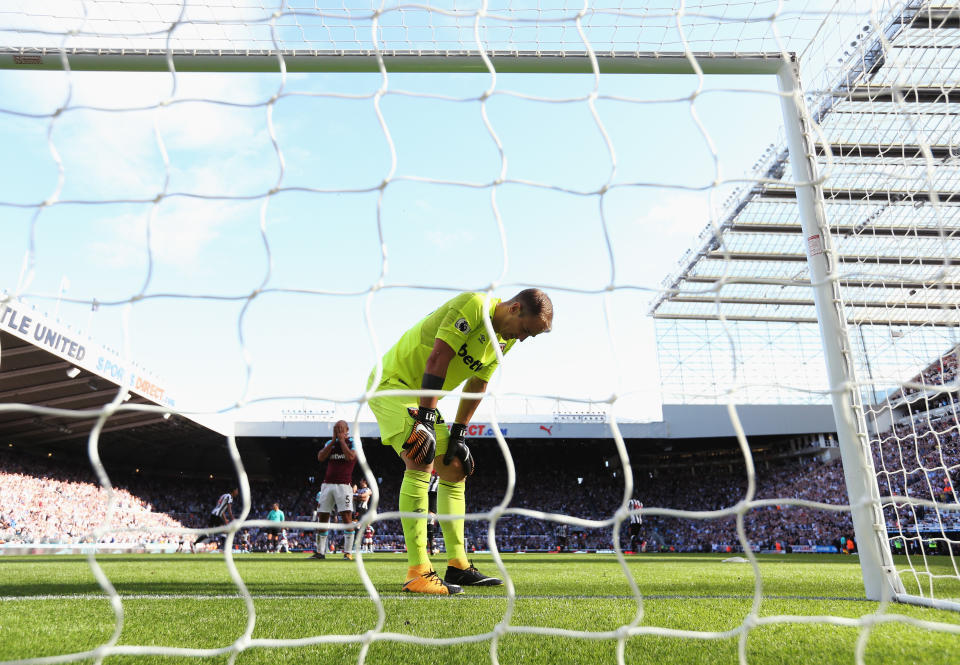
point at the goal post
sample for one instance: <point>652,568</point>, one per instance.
<point>880,579</point>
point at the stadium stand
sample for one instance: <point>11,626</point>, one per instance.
<point>58,502</point>
<point>46,503</point>
<point>919,455</point>
<point>47,500</point>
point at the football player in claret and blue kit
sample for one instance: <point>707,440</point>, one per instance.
<point>449,347</point>
<point>336,492</point>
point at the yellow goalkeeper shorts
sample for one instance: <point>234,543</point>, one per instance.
<point>395,420</point>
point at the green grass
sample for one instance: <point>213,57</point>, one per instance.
<point>53,606</point>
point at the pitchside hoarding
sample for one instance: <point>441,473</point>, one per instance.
<point>680,421</point>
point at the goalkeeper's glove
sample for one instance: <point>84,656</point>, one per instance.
<point>458,448</point>
<point>421,442</point>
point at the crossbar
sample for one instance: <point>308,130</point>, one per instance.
<point>255,61</point>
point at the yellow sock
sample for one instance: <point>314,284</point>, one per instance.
<point>413,499</point>
<point>462,564</point>
<point>418,570</point>
<point>451,501</point>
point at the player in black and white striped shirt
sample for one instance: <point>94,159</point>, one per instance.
<point>635,523</point>
<point>432,508</point>
<point>221,514</point>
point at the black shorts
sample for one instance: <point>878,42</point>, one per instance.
<point>634,529</point>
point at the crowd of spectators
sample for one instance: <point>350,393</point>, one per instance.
<point>919,455</point>
<point>920,458</point>
<point>940,372</point>
<point>597,496</point>
<point>45,501</point>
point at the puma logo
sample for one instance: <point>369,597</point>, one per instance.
<point>546,429</point>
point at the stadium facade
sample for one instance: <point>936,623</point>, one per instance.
<point>47,365</point>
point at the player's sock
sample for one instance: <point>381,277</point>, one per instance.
<point>451,501</point>
<point>348,541</point>
<point>322,542</point>
<point>413,499</point>
<point>418,570</point>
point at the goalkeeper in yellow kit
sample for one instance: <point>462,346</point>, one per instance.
<point>451,345</point>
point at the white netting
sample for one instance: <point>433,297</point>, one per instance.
<point>247,217</point>
<point>887,157</point>
<point>300,25</point>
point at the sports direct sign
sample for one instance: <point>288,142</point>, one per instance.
<point>475,429</point>
<point>539,429</point>
<point>23,321</point>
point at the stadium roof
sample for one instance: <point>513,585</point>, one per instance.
<point>890,163</point>
<point>31,375</point>
<point>55,383</point>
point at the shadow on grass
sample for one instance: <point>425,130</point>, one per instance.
<point>139,558</point>
<point>160,588</point>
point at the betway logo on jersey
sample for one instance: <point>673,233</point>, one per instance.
<point>469,360</point>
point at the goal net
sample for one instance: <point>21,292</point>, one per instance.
<point>268,193</point>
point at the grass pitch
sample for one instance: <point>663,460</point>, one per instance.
<point>52,606</point>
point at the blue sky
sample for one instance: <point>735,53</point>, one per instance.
<point>317,344</point>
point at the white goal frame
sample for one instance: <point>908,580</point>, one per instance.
<point>881,582</point>
<point>396,61</point>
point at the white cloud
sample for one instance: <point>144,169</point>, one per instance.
<point>179,233</point>
<point>450,240</point>
<point>201,125</point>
<point>114,155</point>
<point>676,216</point>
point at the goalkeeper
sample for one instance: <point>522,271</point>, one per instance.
<point>451,345</point>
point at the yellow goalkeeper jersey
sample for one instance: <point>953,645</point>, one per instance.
<point>459,323</point>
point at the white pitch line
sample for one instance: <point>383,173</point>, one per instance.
<point>186,596</point>
<point>404,596</point>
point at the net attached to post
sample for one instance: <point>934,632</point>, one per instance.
<point>295,153</point>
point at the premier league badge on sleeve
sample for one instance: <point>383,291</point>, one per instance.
<point>462,326</point>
